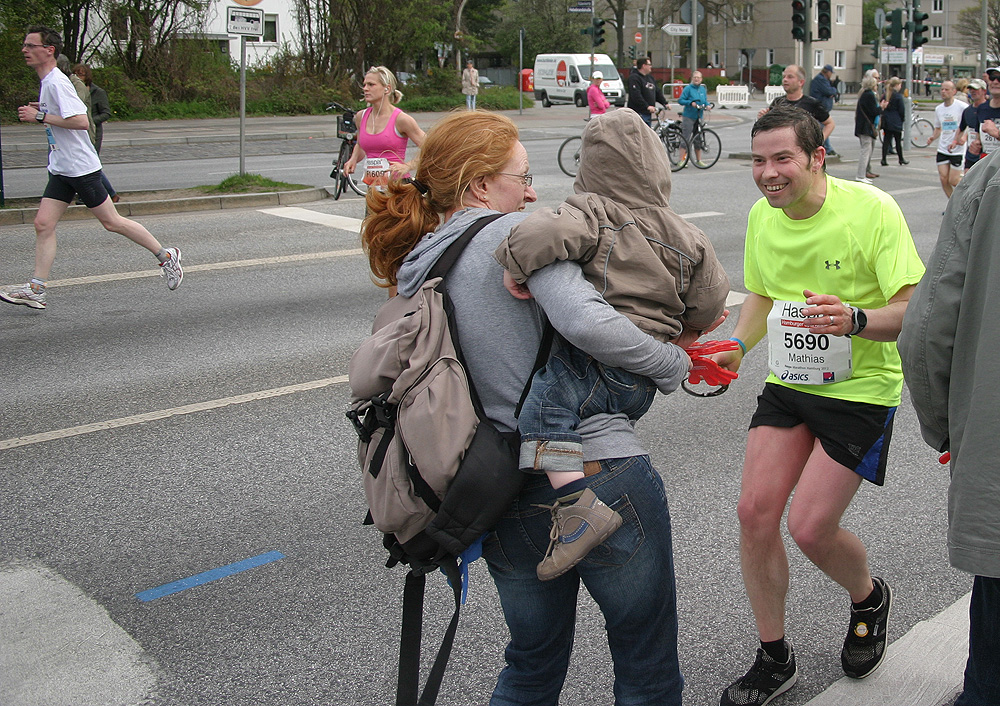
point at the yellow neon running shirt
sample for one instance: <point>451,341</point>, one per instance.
<point>857,247</point>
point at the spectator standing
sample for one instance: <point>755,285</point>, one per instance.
<point>793,79</point>
<point>977,93</point>
<point>643,93</point>
<point>822,89</point>
<point>694,98</point>
<point>470,84</point>
<point>951,142</point>
<point>866,115</point>
<point>835,260</point>
<point>893,115</point>
<point>596,99</point>
<point>74,169</point>
<point>99,103</point>
<point>948,349</point>
<point>95,132</point>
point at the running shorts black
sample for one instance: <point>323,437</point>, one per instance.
<point>955,159</point>
<point>854,434</point>
<point>89,187</point>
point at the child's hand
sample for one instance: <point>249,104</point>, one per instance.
<point>518,291</point>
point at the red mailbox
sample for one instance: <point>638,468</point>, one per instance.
<point>527,80</point>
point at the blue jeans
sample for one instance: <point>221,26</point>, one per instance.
<point>470,102</point>
<point>571,387</point>
<point>982,672</point>
<point>630,576</point>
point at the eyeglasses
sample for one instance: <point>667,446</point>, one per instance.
<point>28,45</point>
<point>525,178</point>
<point>993,76</point>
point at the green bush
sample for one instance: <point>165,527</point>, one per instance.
<point>713,82</point>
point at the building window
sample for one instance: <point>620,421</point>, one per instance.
<point>841,14</point>
<point>937,32</point>
<point>642,18</point>
<point>715,58</point>
<point>937,6</point>
<point>770,57</point>
<point>838,59</point>
<point>270,30</point>
<point>818,58</point>
<point>743,14</point>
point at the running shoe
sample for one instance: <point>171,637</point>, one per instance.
<point>765,680</point>
<point>701,165</point>
<point>577,528</point>
<point>171,269</point>
<point>25,295</point>
<point>865,180</point>
<point>864,648</point>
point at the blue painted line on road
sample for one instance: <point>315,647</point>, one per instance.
<point>207,576</point>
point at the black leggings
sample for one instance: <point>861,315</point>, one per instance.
<point>886,138</point>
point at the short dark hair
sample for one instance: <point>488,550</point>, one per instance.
<point>807,129</point>
<point>84,72</point>
<point>641,61</point>
<point>50,37</point>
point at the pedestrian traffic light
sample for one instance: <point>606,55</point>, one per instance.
<point>632,52</point>
<point>598,31</point>
<point>917,26</point>
<point>799,28</point>
<point>875,49</point>
<point>895,22</point>
<point>824,19</point>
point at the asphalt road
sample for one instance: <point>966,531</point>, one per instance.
<point>219,437</point>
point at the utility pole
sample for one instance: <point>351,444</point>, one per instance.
<point>908,102</point>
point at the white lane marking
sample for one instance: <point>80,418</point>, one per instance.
<point>701,214</point>
<point>323,219</point>
<point>914,190</point>
<point>301,257</point>
<point>166,413</point>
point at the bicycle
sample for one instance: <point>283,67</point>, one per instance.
<point>347,131</point>
<point>569,155</point>
<point>706,141</point>
<point>670,134</point>
<point>921,130</point>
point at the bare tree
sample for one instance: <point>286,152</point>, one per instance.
<point>969,26</point>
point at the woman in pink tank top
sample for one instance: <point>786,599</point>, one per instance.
<point>383,130</point>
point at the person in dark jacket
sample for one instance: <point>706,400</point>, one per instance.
<point>865,116</point>
<point>823,90</point>
<point>893,115</point>
<point>643,93</point>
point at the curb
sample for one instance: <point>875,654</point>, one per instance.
<point>21,216</point>
<point>41,145</point>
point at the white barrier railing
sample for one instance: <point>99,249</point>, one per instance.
<point>732,96</point>
<point>772,92</point>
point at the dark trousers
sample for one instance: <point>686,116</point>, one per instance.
<point>886,138</point>
<point>982,672</point>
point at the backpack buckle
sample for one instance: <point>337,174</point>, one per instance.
<point>385,412</point>
<point>363,424</point>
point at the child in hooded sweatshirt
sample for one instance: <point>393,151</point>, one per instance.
<point>648,263</point>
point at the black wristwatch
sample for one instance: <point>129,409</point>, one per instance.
<point>40,116</point>
<point>860,319</point>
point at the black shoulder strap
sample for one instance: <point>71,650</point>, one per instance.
<point>454,251</point>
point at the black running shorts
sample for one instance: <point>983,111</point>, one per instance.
<point>89,187</point>
<point>955,159</point>
<point>854,434</point>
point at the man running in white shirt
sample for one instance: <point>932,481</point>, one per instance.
<point>74,170</point>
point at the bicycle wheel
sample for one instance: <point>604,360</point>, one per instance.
<point>920,132</point>
<point>337,173</point>
<point>355,180</point>
<point>710,145</point>
<point>673,140</point>
<point>569,155</point>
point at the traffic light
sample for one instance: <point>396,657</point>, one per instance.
<point>799,28</point>
<point>825,19</point>
<point>875,49</point>
<point>917,26</point>
<point>895,22</point>
<point>632,53</point>
<point>598,31</point>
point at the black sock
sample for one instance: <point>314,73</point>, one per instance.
<point>571,491</point>
<point>874,599</point>
<point>776,650</point>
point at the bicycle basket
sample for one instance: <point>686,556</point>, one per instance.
<point>345,128</point>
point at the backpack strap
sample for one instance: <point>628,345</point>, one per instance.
<point>454,251</point>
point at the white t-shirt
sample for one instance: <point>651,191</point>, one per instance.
<point>70,151</point>
<point>948,118</point>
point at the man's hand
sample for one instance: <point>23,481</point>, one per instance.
<point>518,291</point>
<point>27,113</point>
<point>990,128</point>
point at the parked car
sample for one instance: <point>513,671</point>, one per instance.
<point>485,82</point>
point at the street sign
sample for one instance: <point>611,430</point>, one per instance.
<point>582,6</point>
<point>638,37</point>
<point>677,30</point>
<point>245,21</point>
<point>686,12</point>
<point>879,18</point>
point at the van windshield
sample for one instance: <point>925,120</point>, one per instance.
<point>609,71</point>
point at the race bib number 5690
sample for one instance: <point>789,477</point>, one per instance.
<point>795,355</point>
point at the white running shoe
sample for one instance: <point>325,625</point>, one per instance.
<point>171,269</point>
<point>25,295</point>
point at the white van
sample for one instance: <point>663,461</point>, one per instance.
<point>564,78</point>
